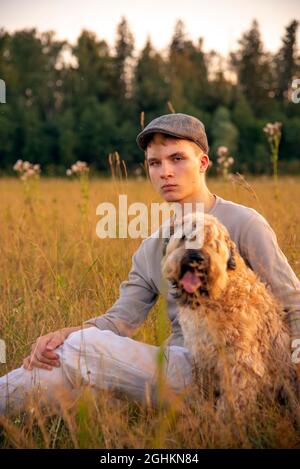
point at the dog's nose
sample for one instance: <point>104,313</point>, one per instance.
<point>194,255</point>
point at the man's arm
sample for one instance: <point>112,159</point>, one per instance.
<point>137,296</point>
<point>259,247</point>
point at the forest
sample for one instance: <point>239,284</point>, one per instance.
<point>82,102</point>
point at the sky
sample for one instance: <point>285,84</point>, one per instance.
<point>219,22</point>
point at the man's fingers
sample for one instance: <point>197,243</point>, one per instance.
<point>39,364</point>
<point>41,358</point>
<point>55,342</point>
<point>40,343</point>
<point>42,354</point>
<point>30,362</point>
<point>49,354</point>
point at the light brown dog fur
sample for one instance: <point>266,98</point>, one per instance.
<point>233,327</point>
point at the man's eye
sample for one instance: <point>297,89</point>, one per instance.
<point>153,163</point>
<point>177,158</point>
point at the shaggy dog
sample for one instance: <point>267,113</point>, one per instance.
<point>231,323</point>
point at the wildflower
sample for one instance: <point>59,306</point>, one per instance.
<point>26,170</point>
<point>80,167</point>
<point>26,165</point>
<point>81,170</point>
<point>18,166</point>
<point>222,151</point>
<point>224,161</point>
<point>273,133</point>
<point>30,172</point>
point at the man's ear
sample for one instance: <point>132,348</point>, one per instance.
<point>204,162</point>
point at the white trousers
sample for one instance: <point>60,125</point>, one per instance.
<point>105,361</point>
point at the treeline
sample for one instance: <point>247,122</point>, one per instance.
<point>66,103</point>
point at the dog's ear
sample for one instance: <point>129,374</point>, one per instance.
<point>231,263</point>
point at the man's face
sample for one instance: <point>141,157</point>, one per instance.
<point>175,170</point>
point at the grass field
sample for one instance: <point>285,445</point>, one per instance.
<point>56,272</point>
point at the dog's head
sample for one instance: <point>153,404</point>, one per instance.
<point>198,274</point>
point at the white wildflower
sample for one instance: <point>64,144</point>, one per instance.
<point>18,166</point>
<point>80,167</point>
<point>224,161</point>
<point>222,151</point>
<point>26,165</point>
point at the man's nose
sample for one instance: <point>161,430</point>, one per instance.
<point>166,170</point>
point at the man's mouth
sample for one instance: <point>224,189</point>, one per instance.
<point>169,187</point>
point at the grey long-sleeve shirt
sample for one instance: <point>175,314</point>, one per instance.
<point>255,241</point>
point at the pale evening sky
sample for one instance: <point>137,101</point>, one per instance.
<point>220,22</point>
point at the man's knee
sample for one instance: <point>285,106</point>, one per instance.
<point>83,352</point>
<point>89,340</point>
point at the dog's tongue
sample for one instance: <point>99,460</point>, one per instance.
<point>190,282</point>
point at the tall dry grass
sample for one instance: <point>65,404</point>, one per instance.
<point>55,272</point>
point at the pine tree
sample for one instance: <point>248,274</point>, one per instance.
<point>92,76</point>
<point>286,61</point>
<point>253,67</point>
<point>187,72</point>
<point>124,47</point>
<point>151,90</point>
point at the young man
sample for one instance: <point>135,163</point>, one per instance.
<point>101,351</point>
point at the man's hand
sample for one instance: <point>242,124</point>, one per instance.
<point>42,351</point>
<point>42,354</point>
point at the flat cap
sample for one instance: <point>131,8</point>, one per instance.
<point>177,125</point>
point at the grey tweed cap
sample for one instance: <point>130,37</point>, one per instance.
<point>178,125</point>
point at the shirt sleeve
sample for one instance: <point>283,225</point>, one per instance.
<point>260,249</point>
<point>137,296</point>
